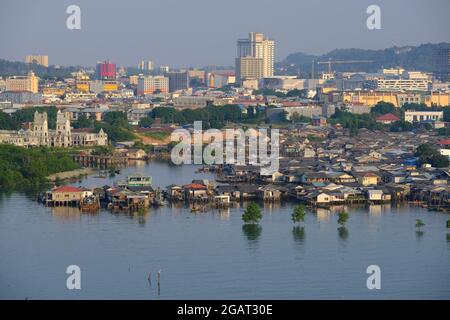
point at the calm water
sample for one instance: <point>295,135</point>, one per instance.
<point>210,256</point>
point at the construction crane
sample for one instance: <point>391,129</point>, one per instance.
<point>330,62</point>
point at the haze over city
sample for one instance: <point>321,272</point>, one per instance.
<point>200,32</point>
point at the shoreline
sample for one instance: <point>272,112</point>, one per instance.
<point>70,174</point>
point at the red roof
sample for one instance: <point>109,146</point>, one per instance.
<point>194,186</point>
<point>388,117</point>
<point>66,189</point>
<point>444,142</point>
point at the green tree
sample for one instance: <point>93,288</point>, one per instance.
<point>401,126</point>
<point>419,223</point>
<point>448,223</point>
<point>116,118</point>
<point>439,161</point>
<point>444,131</point>
<point>27,115</point>
<point>7,122</point>
<point>115,133</point>
<point>383,108</point>
<point>428,154</point>
<point>297,93</point>
<point>299,214</point>
<point>22,168</point>
<point>146,122</point>
<point>296,118</point>
<point>342,218</point>
<point>252,214</point>
<point>83,122</point>
<point>425,151</point>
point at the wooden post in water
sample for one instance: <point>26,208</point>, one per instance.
<point>149,279</point>
<point>159,282</point>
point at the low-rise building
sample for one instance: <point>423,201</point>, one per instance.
<point>423,116</point>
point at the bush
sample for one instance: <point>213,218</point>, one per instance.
<point>252,213</point>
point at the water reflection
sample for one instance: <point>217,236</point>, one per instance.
<point>141,215</point>
<point>67,214</point>
<point>271,206</point>
<point>419,234</point>
<point>323,215</point>
<point>138,163</point>
<point>252,232</point>
<point>224,213</point>
<point>343,233</point>
<point>299,234</point>
<point>375,210</point>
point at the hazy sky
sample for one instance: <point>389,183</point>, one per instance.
<point>204,32</point>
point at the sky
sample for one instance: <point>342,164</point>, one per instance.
<point>196,33</point>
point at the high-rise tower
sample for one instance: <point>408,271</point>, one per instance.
<point>255,57</point>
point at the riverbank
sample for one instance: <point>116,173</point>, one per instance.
<point>70,174</point>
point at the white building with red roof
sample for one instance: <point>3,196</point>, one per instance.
<point>387,118</point>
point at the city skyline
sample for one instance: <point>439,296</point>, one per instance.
<point>306,27</point>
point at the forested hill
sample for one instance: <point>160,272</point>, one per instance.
<point>8,68</point>
<point>424,57</point>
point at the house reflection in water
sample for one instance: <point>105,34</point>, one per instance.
<point>224,214</point>
<point>323,215</point>
<point>137,163</point>
<point>375,210</point>
<point>66,214</point>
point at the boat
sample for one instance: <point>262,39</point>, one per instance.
<point>159,199</point>
<point>90,204</point>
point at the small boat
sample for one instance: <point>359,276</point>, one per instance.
<point>90,204</point>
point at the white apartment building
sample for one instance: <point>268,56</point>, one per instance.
<point>403,84</point>
<point>152,84</point>
<point>29,82</point>
<point>423,116</point>
<point>256,46</point>
<point>249,68</point>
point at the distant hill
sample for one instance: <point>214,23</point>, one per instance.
<point>8,68</point>
<point>423,57</point>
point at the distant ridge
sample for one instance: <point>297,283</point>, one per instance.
<point>422,57</point>
<point>8,68</point>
